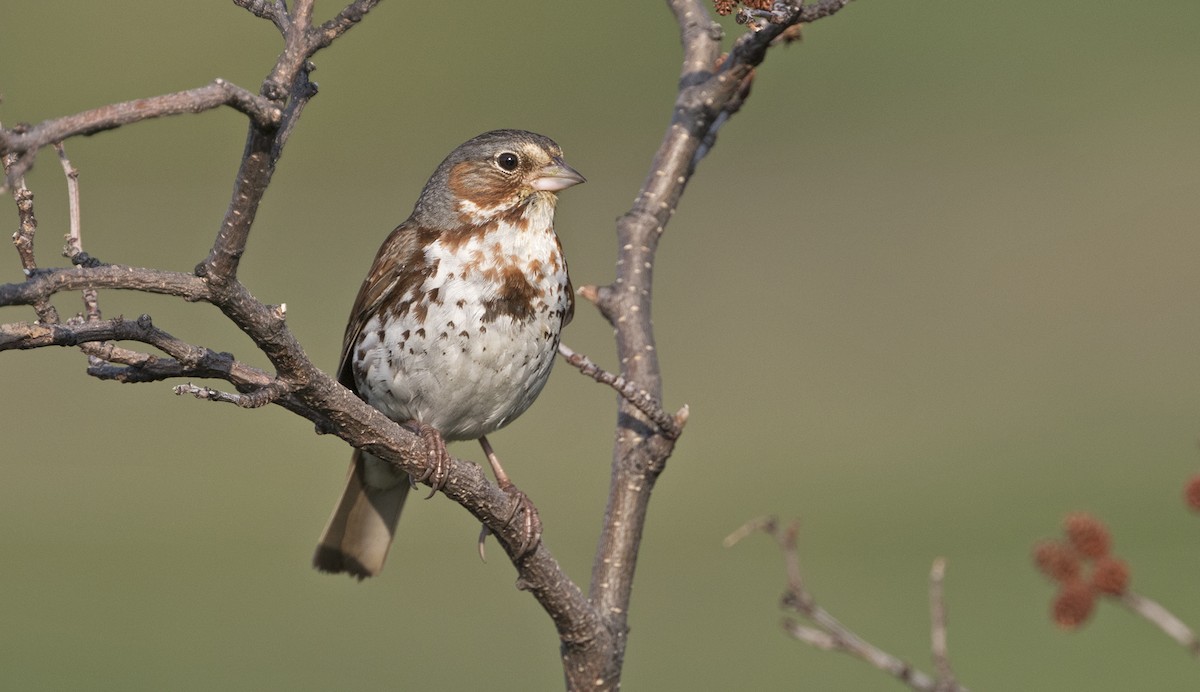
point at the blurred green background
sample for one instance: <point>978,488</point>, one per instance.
<point>935,287</point>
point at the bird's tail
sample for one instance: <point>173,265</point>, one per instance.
<point>360,530</point>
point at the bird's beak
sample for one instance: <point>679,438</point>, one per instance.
<point>556,176</point>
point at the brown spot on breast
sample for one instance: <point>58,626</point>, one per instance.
<point>515,299</point>
<point>513,219</point>
<point>453,239</point>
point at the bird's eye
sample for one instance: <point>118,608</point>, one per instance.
<point>508,161</point>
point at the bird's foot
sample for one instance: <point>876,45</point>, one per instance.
<point>531,523</point>
<point>438,471</point>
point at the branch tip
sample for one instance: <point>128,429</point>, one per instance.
<point>636,396</point>
<point>766,524</point>
<point>825,632</point>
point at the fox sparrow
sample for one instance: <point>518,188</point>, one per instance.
<point>456,326</point>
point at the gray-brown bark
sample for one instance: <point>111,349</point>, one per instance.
<point>592,627</point>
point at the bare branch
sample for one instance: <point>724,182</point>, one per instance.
<point>25,144</point>
<point>671,426</point>
<point>258,398</point>
<point>826,632</point>
<point>288,79</point>
<point>24,235</point>
<point>74,245</point>
<point>706,97</point>
<point>73,250</point>
<point>27,228</point>
<point>349,16</point>
<point>937,626</point>
<point>46,282</point>
<point>185,359</point>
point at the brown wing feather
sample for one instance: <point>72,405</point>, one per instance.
<point>398,267</point>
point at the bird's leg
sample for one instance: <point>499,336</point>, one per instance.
<point>531,530</point>
<point>438,471</point>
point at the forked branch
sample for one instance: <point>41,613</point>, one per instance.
<point>827,633</point>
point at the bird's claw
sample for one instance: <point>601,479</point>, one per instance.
<point>531,524</point>
<point>531,530</point>
<point>438,471</point>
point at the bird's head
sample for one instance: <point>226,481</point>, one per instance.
<point>494,174</point>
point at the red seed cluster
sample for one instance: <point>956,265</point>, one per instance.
<point>1057,561</point>
<point>1087,534</point>
<point>1110,576</point>
<point>1073,604</point>
<point>1083,567</point>
<point>1192,493</point>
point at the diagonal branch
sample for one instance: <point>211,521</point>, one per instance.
<point>670,425</point>
<point>288,80</point>
<point>350,15</point>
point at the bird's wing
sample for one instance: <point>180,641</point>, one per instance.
<point>397,269</point>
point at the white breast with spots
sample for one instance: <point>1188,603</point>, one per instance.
<point>477,360</point>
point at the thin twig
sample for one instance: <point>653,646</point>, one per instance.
<point>23,238</point>
<point>1162,618</point>
<point>937,626</point>
<point>825,631</point>
<point>254,399</point>
<point>671,426</point>
<point>27,221</point>
<point>73,250</point>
